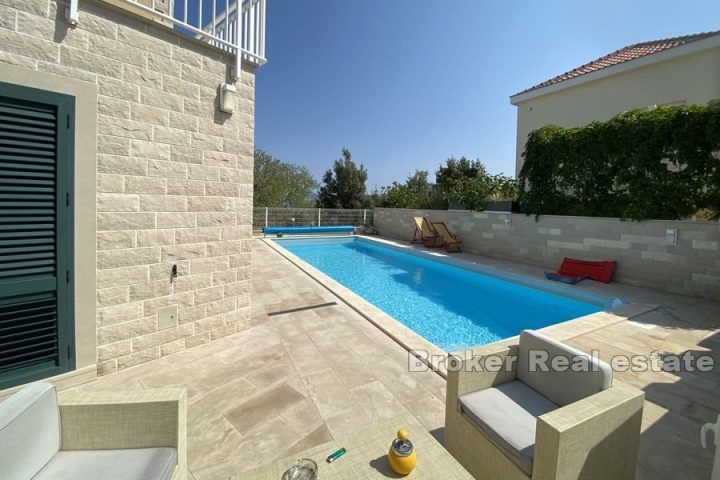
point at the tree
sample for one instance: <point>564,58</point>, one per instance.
<point>467,182</point>
<point>416,192</point>
<point>399,195</point>
<point>472,192</point>
<point>419,185</point>
<point>456,171</point>
<point>280,184</point>
<point>343,184</point>
<point>376,198</point>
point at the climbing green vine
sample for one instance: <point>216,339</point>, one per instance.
<point>661,163</point>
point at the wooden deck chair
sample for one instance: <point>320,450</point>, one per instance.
<point>447,239</point>
<point>424,233</point>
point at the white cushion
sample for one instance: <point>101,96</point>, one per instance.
<point>507,415</point>
<point>131,464</point>
<point>29,431</point>
<point>562,387</point>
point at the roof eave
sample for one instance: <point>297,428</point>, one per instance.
<point>653,58</point>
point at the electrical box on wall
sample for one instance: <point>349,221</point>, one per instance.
<point>167,317</point>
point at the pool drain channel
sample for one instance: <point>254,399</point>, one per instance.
<point>301,309</point>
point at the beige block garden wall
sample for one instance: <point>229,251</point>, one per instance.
<point>174,174</point>
<point>645,258</point>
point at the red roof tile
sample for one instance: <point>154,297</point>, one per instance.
<point>623,55</point>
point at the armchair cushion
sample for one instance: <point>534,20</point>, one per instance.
<point>29,431</point>
<point>507,416</point>
<point>561,386</point>
<point>131,464</point>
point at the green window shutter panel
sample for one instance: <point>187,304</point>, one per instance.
<point>36,158</point>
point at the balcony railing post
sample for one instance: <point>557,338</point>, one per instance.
<point>200,15</point>
<point>214,18</point>
<point>262,28</point>
<point>319,209</point>
<point>251,46</point>
<point>238,39</point>
<point>266,217</point>
<point>226,24</point>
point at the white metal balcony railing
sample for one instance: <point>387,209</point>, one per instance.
<point>212,21</point>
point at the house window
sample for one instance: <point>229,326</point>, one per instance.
<point>36,225</point>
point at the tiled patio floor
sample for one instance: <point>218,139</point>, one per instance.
<point>288,382</point>
<point>295,380</point>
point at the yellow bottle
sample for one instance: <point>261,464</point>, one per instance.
<point>401,456</point>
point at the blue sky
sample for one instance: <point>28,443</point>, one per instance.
<point>407,83</point>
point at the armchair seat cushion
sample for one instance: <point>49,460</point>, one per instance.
<point>507,416</point>
<point>132,464</point>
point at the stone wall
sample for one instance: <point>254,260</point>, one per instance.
<point>645,257</point>
<point>174,174</point>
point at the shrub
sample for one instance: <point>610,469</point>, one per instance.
<point>661,163</point>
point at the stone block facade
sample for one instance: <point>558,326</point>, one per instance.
<point>174,174</point>
<point>645,256</point>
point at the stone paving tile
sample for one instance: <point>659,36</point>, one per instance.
<point>272,374</point>
<point>429,410</point>
<point>270,403</point>
<point>317,437</point>
<point>220,400</point>
<point>306,357</point>
<point>204,437</point>
<point>304,416</point>
<point>329,394</point>
<point>376,401</point>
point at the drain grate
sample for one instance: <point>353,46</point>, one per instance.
<point>301,309</point>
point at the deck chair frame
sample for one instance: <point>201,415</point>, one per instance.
<point>447,239</point>
<point>429,239</point>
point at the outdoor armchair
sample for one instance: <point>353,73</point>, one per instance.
<point>518,423</point>
<point>110,435</point>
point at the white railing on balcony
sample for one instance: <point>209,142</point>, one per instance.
<point>251,31</point>
<point>215,22</point>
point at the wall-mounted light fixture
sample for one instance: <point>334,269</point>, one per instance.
<point>671,236</point>
<point>71,13</point>
<point>227,97</point>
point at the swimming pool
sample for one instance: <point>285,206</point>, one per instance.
<point>450,306</point>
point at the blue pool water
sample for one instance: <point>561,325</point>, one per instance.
<point>452,307</point>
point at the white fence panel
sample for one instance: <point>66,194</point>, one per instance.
<point>309,217</point>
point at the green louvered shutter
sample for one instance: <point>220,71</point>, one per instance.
<point>36,155</point>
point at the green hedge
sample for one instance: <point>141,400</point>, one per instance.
<point>642,164</point>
